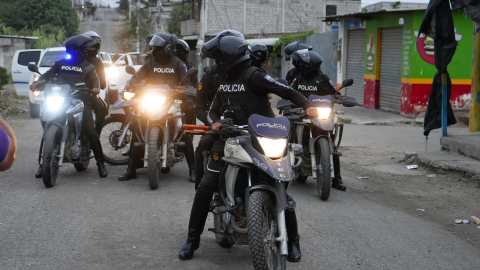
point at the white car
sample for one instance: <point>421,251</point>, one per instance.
<point>46,58</point>
<point>117,75</point>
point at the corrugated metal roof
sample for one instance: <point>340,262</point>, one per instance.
<point>367,15</point>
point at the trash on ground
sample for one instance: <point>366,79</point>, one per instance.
<point>423,210</point>
<point>431,175</point>
<point>476,220</point>
<point>393,157</point>
<point>412,167</point>
<point>459,221</point>
<point>363,177</point>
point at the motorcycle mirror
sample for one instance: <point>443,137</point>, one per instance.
<point>283,81</point>
<point>33,68</point>
<point>349,102</point>
<point>346,83</point>
<point>130,70</point>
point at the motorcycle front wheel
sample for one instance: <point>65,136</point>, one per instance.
<point>85,156</point>
<point>262,231</point>
<point>153,161</point>
<point>324,169</point>
<point>109,138</point>
<point>50,156</point>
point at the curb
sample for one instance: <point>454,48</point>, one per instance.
<point>444,161</point>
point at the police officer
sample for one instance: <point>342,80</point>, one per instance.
<point>206,90</point>
<point>182,51</point>
<point>311,80</point>
<point>100,111</point>
<point>70,71</point>
<point>258,55</point>
<point>253,85</point>
<point>289,49</point>
<point>164,68</point>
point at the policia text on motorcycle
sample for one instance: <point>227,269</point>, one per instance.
<point>231,54</point>
<point>70,72</point>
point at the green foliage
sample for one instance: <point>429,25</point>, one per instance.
<point>49,39</point>
<point>123,5</point>
<point>53,15</point>
<point>286,39</point>
<point>396,5</point>
<point>179,13</point>
<point>4,77</point>
<point>90,7</point>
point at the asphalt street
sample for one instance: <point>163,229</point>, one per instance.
<point>104,23</point>
<point>85,222</point>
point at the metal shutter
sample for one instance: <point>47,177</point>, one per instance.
<point>391,68</point>
<point>356,63</point>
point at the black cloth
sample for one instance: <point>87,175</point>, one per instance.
<point>315,82</point>
<point>291,74</point>
<point>157,73</point>
<point>438,24</point>
<point>259,84</point>
<point>206,90</point>
<point>100,69</point>
<point>205,144</point>
<point>471,8</point>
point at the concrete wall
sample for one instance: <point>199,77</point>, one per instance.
<point>265,16</point>
<point>8,47</point>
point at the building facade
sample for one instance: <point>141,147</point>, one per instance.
<point>392,69</point>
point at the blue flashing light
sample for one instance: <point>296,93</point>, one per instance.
<point>69,56</point>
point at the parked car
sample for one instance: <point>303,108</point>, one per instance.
<point>23,78</point>
<point>117,75</point>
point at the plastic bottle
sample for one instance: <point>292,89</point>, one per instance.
<point>476,220</point>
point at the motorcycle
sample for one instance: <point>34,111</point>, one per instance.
<point>320,148</point>
<point>249,207</point>
<point>63,140</point>
<point>157,108</point>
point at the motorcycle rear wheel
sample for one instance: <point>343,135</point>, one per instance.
<point>153,162</point>
<point>324,169</point>
<point>50,156</point>
<point>109,137</point>
<point>262,231</point>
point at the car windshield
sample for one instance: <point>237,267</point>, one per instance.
<point>49,58</point>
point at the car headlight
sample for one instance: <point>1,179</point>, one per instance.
<point>273,148</point>
<point>153,101</point>
<point>54,103</point>
<point>36,93</point>
<point>324,113</point>
<point>128,95</point>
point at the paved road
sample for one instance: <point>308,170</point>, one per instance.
<point>85,222</point>
<point>105,28</point>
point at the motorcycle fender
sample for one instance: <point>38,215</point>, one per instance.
<point>277,191</point>
<point>64,129</point>
<point>326,125</point>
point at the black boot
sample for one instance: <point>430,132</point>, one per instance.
<point>102,171</point>
<point>38,174</point>
<point>191,173</point>
<point>130,173</point>
<point>187,250</point>
<point>294,254</point>
<point>338,183</point>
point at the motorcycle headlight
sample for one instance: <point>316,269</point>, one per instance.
<point>54,103</point>
<point>36,93</point>
<point>324,113</point>
<point>35,78</point>
<point>111,72</point>
<point>128,95</point>
<point>273,148</point>
<point>153,102</point>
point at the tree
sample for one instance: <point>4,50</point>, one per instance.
<point>178,14</point>
<point>123,5</point>
<point>53,15</point>
<point>90,7</point>
<point>396,5</point>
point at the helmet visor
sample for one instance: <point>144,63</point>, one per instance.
<point>157,41</point>
<point>301,55</point>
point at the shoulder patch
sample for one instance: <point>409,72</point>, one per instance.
<point>269,78</point>
<point>199,86</point>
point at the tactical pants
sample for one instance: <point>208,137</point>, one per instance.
<point>88,129</point>
<point>101,111</point>
<point>205,144</point>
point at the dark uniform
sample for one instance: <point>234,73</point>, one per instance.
<point>100,111</point>
<point>315,83</point>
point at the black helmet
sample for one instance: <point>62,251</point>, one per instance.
<point>94,36</point>
<point>182,50</point>
<point>306,61</point>
<point>259,53</point>
<point>76,45</point>
<point>170,41</point>
<point>209,49</point>
<point>295,46</point>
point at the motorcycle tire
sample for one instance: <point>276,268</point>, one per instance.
<point>153,162</point>
<point>50,156</point>
<point>324,169</point>
<point>110,134</point>
<point>224,239</point>
<point>262,231</point>
<point>80,167</point>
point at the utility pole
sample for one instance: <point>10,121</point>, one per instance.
<point>474,123</point>
<point>201,37</point>
<point>130,10</point>
<point>138,23</point>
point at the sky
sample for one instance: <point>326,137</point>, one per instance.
<point>364,2</point>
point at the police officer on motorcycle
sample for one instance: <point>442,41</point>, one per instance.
<point>289,49</point>
<point>101,112</point>
<point>311,80</point>
<point>164,68</point>
<point>252,86</point>
<point>182,51</point>
<point>70,71</point>
<point>259,54</point>
<point>206,90</point>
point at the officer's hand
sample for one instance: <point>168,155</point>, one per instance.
<point>33,86</point>
<point>311,112</point>
<point>216,127</point>
<point>96,91</point>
